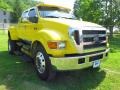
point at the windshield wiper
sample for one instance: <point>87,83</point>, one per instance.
<point>67,17</point>
<point>52,16</point>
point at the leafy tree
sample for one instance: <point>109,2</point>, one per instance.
<point>104,12</point>
<point>89,10</point>
<point>4,6</point>
<point>111,15</point>
<point>18,6</point>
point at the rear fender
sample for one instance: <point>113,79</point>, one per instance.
<point>12,33</point>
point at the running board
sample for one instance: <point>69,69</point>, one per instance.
<point>26,58</point>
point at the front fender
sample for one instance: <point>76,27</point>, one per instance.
<point>43,36</point>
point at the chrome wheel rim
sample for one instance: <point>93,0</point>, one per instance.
<point>40,62</point>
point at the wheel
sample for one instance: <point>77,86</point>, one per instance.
<point>11,46</point>
<point>43,64</point>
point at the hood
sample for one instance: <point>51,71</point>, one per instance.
<point>84,25</point>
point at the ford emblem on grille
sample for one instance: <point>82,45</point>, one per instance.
<point>96,39</point>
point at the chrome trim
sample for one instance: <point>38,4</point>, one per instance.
<point>94,49</point>
<point>93,35</point>
<point>93,41</point>
<point>90,43</point>
<point>71,63</point>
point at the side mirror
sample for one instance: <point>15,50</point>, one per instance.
<point>33,19</point>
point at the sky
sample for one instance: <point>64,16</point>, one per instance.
<point>66,3</point>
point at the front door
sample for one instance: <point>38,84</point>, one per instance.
<point>31,27</point>
<point>22,25</point>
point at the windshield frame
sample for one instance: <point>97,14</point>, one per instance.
<point>60,12</point>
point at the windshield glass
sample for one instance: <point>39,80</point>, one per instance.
<point>55,12</point>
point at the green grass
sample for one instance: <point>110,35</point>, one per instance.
<point>18,75</point>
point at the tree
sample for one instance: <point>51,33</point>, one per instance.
<point>89,10</point>
<point>18,6</point>
<point>104,12</point>
<point>111,15</point>
<point>4,6</point>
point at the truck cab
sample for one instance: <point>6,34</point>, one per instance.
<point>55,40</point>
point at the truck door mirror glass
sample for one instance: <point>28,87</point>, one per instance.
<point>33,16</point>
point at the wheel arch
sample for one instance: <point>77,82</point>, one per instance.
<point>34,45</point>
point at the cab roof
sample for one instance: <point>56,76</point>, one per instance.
<point>53,5</point>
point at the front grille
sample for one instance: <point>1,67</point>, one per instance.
<point>94,32</point>
<point>94,39</point>
<point>94,46</point>
<point>91,39</point>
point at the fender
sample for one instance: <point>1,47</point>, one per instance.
<point>13,33</point>
<point>44,36</point>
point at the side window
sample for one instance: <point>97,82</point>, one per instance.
<point>24,16</point>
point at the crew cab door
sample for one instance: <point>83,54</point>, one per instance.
<point>31,27</point>
<point>22,25</point>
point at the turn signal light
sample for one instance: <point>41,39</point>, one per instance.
<point>52,45</point>
<point>57,45</point>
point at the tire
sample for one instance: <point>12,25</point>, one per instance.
<point>42,64</point>
<point>11,46</point>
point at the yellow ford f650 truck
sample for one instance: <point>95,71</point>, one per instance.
<point>55,40</point>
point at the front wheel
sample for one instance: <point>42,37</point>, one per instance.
<point>43,64</point>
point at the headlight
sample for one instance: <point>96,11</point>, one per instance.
<point>61,45</point>
<point>57,44</point>
<point>74,35</point>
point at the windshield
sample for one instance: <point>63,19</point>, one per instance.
<point>54,12</point>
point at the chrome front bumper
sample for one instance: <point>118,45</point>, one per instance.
<point>71,63</point>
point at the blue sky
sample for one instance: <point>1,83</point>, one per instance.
<point>67,3</point>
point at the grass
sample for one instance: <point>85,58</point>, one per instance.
<point>16,74</point>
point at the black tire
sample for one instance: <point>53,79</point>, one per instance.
<point>44,63</point>
<point>11,46</point>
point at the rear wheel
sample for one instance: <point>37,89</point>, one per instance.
<point>43,64</point>
<point>11,46</point>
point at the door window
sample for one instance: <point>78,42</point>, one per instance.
<point>24,17</point>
